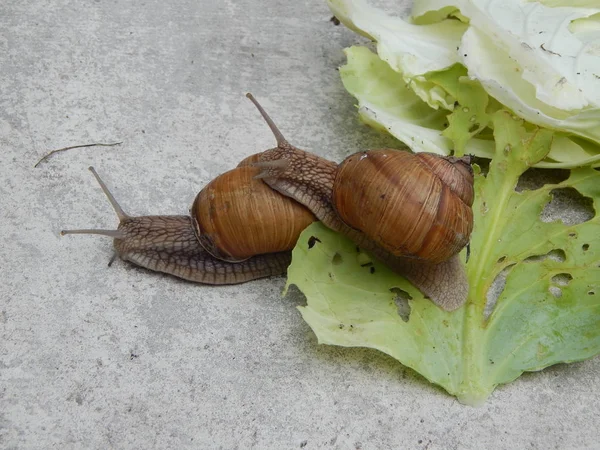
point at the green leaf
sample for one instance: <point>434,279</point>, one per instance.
<point>387,103</point>
<point>352,303</point>
<point>523,56</point>
<point>470,115</point>
<point>534,59</point>
<point>548,311</point>
<point>409,49</point>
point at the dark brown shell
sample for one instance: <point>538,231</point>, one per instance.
<point>237,216</point>
<point>415,205</point>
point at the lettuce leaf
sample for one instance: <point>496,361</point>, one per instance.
<point>530,58</point>
<point>548,311</point>
<point>571,3</point>
<point>411,50</point>
<point>386,103</point>
<point>538,61</point>
<point>471,112</point>
<point>501,76</point>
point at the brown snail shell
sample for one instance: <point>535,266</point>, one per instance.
<point>413,205</point>
<point>237,216</point>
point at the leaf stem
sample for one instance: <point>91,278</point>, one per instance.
<point>474,389</point>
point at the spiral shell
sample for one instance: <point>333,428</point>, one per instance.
<point>237,216</point>
<point>414,205</point>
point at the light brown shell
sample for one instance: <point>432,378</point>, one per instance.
<point>237,216</point>
<point>415,205</point>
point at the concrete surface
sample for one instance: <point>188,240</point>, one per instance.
<point>96,357</point>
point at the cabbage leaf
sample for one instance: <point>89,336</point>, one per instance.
<point>541,62</point>
<point>548,311</point>
<point>386,103</point>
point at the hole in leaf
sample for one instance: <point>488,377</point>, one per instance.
<point>473,127</point>
<point>585,247</point>
<point>568,206</point>
<point>591,293</point>
<point>337,259</point>
<point>495,290</point>
<point>483,163</point>
<point>401,300</point>
<point>535,258</point>
<point>501,260</point>
<point>557,254</point>
<point>533,178</point>
<point>295,296</point>
<point>572,234</point>
<point>555,291</point>
<point>312,241</point>
<point>562,279</point>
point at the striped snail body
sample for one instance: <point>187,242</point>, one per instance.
<point>411,211</point>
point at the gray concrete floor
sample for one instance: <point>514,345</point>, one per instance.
<point>97,357</point>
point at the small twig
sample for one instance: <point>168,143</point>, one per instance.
<point>59,150</point>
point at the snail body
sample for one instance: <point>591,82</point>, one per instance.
<point>411,211</point>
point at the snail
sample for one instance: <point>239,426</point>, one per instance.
<point>209,246</point>
<point>412,211</point>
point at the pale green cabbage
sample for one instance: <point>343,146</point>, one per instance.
<point>540,62</point>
